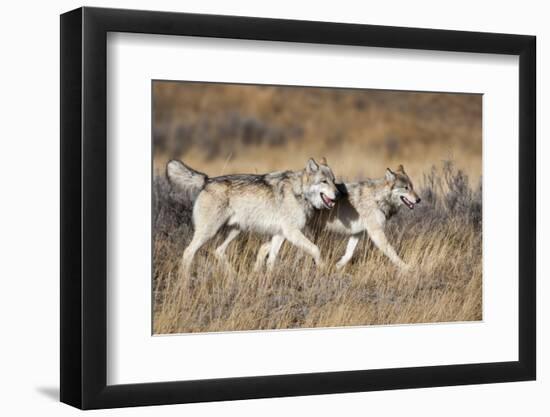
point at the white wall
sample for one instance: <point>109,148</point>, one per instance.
<point>29,237</point>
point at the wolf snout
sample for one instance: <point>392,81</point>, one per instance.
<point>327,201</point>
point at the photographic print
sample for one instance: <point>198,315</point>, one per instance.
<point>283,207</point>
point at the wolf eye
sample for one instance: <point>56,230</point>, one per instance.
<point>324,182</point>
<point>406,187</point>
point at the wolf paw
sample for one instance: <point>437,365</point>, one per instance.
<point>340,265</point>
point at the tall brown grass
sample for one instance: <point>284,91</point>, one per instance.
<point>223,129</point>
<point>441,238</point>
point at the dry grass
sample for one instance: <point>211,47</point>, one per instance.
<point>442,237</point>
<point>221,129</point>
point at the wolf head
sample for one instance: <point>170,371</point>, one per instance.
<point>402,190</point>
<point>319,187</point>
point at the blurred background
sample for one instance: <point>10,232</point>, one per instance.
<point>230,128</point>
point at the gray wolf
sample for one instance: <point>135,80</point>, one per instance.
<point>366,206</point>
<point>277,204</point>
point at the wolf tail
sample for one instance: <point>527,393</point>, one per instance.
<point>185,179</point>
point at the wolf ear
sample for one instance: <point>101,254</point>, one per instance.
<point>312,166</point>
<point>390,175</point>
<point>401,169</point>
<point>324,161</point>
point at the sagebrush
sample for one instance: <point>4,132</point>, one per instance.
<point>442,238</point>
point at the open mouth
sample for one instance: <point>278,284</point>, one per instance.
<point>407,202</point>
<point>329,202</point>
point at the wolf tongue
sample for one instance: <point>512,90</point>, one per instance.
<point>329,202</point>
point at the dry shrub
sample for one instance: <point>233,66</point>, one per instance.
<point>224,128</point>
<point>442,238</point>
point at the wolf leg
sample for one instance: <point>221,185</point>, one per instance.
<point>205,229</point>
<point>260,258</point>
<point>379,238</point>
<point>297,238</point>
<point>276,243</point>
<point>350,249</point>
<point>220,250</point>
<point>189,252</point>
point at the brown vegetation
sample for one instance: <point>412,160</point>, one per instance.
<point>223,129</point>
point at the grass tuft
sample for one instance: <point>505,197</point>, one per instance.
<point>441,237</point>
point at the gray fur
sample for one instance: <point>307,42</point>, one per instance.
<point>365,206</point>
<point>185,179</point>
<point>277,204</point>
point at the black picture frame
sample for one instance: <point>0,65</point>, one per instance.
<point>84,207</point>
